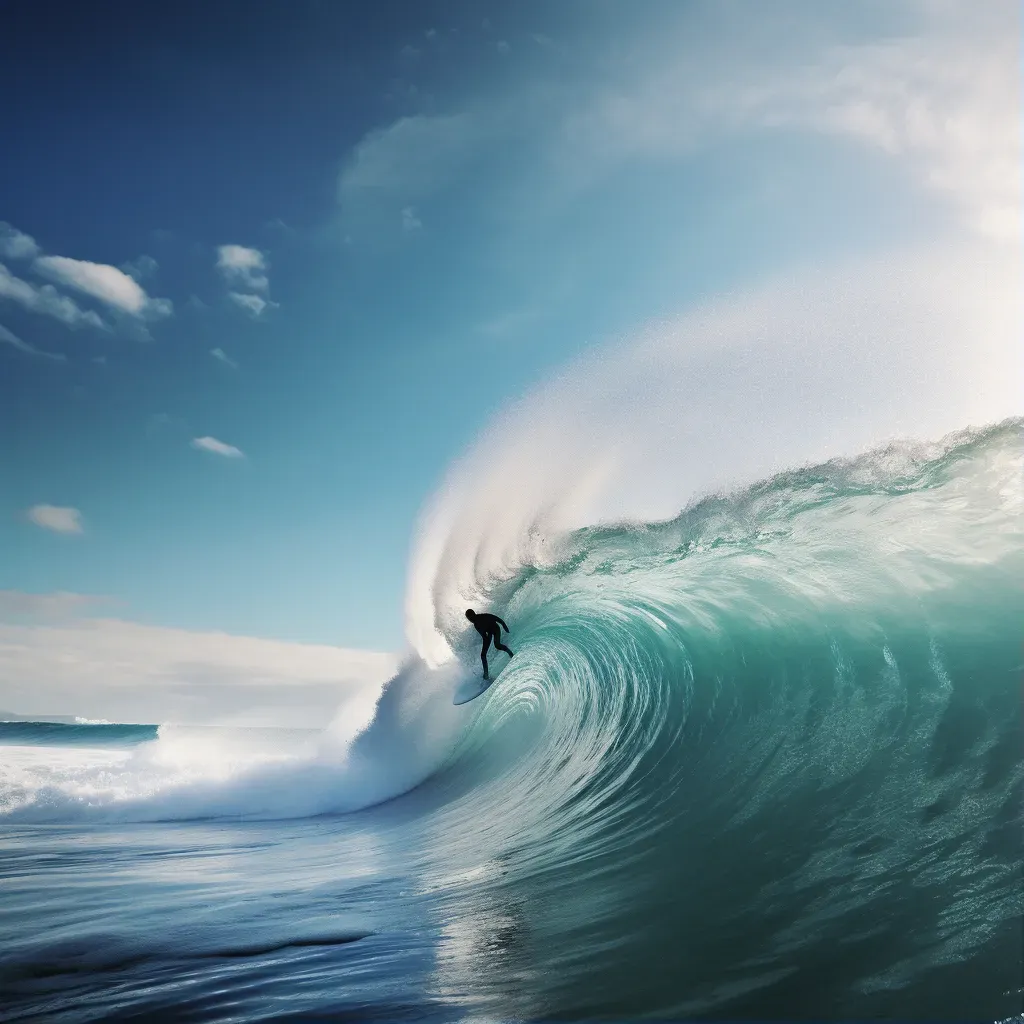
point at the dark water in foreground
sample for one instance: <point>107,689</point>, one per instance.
<point>273,920</point>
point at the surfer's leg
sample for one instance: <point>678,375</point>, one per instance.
<point>483,654</point>
<point>501,647</point>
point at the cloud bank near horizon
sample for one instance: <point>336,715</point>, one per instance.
<point>60,663</point>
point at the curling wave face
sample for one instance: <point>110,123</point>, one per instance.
<point>854,625</point>
<point>790,717</point>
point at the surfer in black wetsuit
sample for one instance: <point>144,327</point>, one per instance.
<point>489,627</point>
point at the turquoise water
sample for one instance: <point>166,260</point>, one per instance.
<point>760,761</point>
<point>61,734</point>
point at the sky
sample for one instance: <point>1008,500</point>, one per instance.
<point>267,270</point>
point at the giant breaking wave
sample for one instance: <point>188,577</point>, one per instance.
<point>806,682</point>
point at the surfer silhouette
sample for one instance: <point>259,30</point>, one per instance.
<point>489,627</point>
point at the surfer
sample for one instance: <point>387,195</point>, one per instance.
<point>489,627</point>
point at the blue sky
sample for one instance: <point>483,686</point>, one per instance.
<point>355,233</point>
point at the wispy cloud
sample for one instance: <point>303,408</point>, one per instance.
<point>410,219</point>
<point>141,268</point>
<point>394,168</point>
<point>948,107</point>
<point>58,518</point>
<point>222,357</point>
<point>411,157</point>
<point>246,270</point>
<point>253,304</point>
<point>211,444</point>
<point>103,282</point>
<point>942,99</point>
<point>509,323</point>
<point>243,267</point>
<point>127,672</point>
<point>10,338</point>
<point>47,301</point>
<point>15,244</point>
<point>17,604</point>
<point>164,421</point>
<point>117,288</point>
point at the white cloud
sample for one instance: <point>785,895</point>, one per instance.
<point>949,108</point>
<point>410,220</point>
<point>10,338</point>
<point>103,282</point>
<point>221,356</point>
<point>246,269</point>
<point>943,99</point>
<point>60,519</point>
<point>15,244</point>
<point>243,266</point>
<point>252,303</point>
<point>124,671</point>
<point>46,300</point>
<point>211,444</point>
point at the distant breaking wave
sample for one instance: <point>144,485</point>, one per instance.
<point>83,732</point>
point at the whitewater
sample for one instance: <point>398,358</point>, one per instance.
<point>758,753</point>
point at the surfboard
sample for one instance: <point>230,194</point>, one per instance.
<point>472,688</point>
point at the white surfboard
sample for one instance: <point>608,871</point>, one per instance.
<point>472,688</point>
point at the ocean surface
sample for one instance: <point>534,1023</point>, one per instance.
<point>761,761</point>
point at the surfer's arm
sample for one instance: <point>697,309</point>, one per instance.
<point>502,621</point>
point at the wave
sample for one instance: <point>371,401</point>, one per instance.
<point>810,620</point>
<point>83,732</point>
<point>813,626</point>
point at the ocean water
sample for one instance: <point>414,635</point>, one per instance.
<point>762,760</point>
